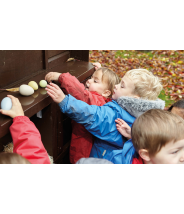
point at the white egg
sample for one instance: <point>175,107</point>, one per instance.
<point>6,103</point>
<point>26,90</point>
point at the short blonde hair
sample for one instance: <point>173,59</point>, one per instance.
<point>155,128</point>
<point>111,77</point>
<point>147,86</point>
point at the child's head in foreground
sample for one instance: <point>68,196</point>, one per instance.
<point>178,108</point>
<point>138,83</point>
<point>12,158</point>
<point>158,137</point>
<point>102,81</point>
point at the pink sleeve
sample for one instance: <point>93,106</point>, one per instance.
<point>27,141</point>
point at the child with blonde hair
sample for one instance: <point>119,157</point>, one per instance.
<point>98,90</point>
<point>137,84</point>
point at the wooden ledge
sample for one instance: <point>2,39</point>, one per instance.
<point>40,99</point>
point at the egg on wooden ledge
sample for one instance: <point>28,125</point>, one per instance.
<point>26,90</point>
<point>43,83</point>
<point>33,84</point>
<point>6,103</point>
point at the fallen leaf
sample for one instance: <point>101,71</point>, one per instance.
<point>70,59</point>
<point>13,89</point>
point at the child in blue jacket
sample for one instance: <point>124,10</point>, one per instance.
<point>100,120</point>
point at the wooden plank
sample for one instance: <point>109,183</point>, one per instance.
<point>80,54</point>
<point>57,129</point>
<point>58,60</point>
<point>16,65</point>
<point>46,59</point>
<point>52,53</point>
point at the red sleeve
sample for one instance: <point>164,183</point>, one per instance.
<point>72,86</point>
<point>137,161</point>
<point>27,141</point>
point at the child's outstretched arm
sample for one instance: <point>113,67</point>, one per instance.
<point>123,128</point>
<point>26,137</point>
<point>71,85</point>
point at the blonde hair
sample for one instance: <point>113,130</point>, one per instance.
<point>155,128</point>
<point>111,77</point>
<point>147,86</point>
<point>12,158</point>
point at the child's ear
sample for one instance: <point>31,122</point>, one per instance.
<point>106,93</point>
<point>144,154</point>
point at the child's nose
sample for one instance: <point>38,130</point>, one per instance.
<point>182,157</point>
<point>89,80</point>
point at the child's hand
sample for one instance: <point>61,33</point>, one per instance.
<point>97,65</point>
<point>52,76</point>
<point>123,128</point>
<point>55,92</point>
<point>16,109</point>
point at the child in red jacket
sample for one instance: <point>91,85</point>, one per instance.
<point>97,91</point>
<point>26,138</point>
<point>158,138</point>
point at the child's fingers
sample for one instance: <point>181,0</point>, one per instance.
<point>117,122</point>
<point>51,88</point>
<point>48,86</point>
<point>118,119</point>
<point>118,126</point>
<point>14,99</point>
<point>5,112</point>
<point>51,95</point>
<point>51,91</point>
<point>48,77</point>
<point>120,122</point>
<point>55,86</point>
<point>122,126</point>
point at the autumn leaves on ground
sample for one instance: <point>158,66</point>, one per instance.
<point>167,64</point>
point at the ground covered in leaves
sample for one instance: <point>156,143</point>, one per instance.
<point>167,64</point>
